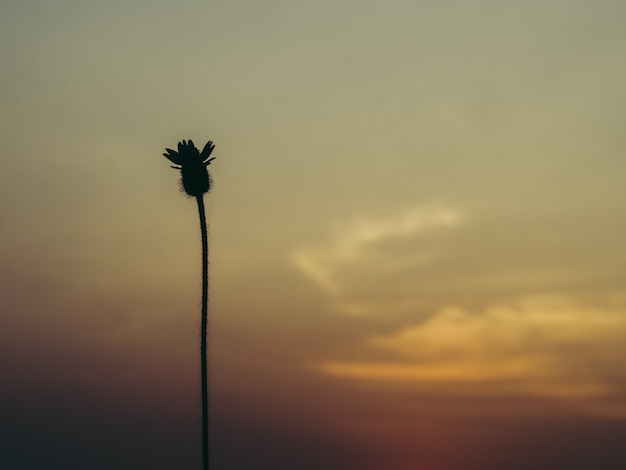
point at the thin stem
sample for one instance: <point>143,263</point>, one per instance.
<point>203,335</point>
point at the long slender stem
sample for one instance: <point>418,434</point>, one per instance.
<point>203,335</point>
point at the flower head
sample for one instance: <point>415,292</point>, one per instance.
<point>193,166</point>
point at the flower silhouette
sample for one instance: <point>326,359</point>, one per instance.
<point>196,182</point>
<point>193,166</point>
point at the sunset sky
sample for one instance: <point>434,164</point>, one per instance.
<point>417,234</point>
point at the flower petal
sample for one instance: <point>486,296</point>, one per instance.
<point>173,156</point>
<point>206,151</point>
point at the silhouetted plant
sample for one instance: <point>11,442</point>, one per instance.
<point>196,181</point>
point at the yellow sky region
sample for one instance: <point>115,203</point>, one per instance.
<point>543,346</point>
<point>467,306</point>
<point>417,204</point>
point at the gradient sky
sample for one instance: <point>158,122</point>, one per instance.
<point>417,234</point>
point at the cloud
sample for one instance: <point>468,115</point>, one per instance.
<point>546,346</point>
<point>362,245</point>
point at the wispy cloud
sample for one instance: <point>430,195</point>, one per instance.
<point>545,346</point>
<point>360,243</point>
